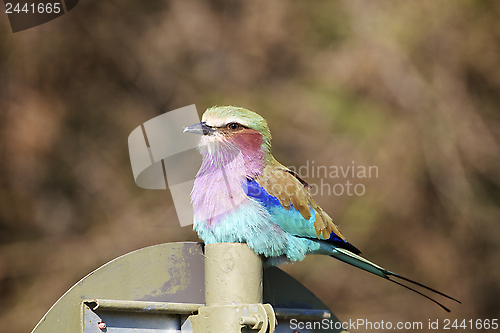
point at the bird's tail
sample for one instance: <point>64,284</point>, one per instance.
<point>360,262</point>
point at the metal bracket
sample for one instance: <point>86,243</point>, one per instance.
<point>106,315</point>
<point>232,318</point>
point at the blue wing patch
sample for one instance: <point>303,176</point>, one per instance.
<point>290,220</point>
<point>254,190</point>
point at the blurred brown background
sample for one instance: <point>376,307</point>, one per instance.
<point>412,89</point>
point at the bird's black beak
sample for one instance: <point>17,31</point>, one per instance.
<point>199,128</point>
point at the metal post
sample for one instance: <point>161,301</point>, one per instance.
<point>233,275</point>
<point>233,291</point>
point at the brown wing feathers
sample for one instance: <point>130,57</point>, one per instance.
<point>290,189</point>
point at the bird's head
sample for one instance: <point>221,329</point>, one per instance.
<point>228,125</point>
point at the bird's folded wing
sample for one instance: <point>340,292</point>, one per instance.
<point>293,193</point>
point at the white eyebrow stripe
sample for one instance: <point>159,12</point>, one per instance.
<point>219,122</point>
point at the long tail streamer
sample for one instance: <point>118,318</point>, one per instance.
<point>360,262</point>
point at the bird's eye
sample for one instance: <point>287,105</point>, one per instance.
<point>233,126</point>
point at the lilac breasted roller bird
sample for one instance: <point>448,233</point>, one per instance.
<point>242,194</point>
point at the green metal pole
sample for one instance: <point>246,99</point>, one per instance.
<point>233,275</point>
<point>233,292</point>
